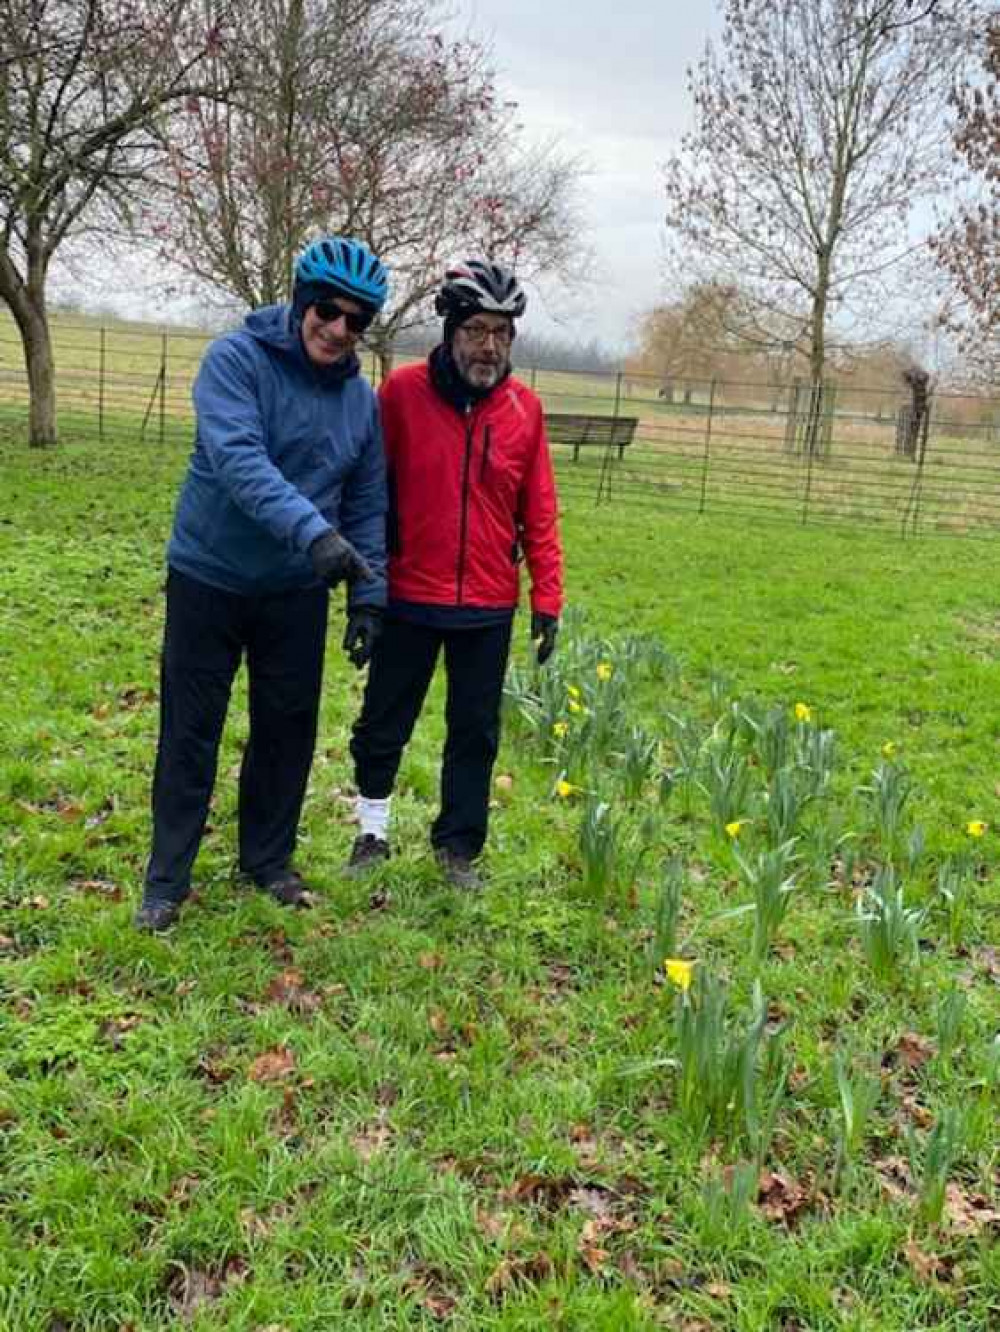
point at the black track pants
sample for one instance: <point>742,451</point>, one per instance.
<point>208,631</point>
<point>402,666</point>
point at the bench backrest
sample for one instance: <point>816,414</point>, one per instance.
<point>579,428</point>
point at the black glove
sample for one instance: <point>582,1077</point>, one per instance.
<point>543,633</point>
<point>364,624</point>
<point>335,559</point>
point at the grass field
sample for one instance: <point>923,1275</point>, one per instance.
<point>403,1109</point>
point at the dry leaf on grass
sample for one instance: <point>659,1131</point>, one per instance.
<point>930,1267</point>
<point>912,1052</point>
<point>371,1139</point>
<point>439,1306</point>
<point>594,1258</point>
<point>499,1226</point>
<point>191,1287</point>
<point>272,1066</point>
<point>782,1199</point>
<point>894,1174</point>
<point>548,1191</point>
<point>287,988</point>
<point>969,1213</point>
<point>513,1272</point>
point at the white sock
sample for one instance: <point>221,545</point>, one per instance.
<point>373,815</point>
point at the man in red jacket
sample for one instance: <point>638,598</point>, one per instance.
<point>471,492</point>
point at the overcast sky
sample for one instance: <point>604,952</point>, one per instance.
<point>608,78</point>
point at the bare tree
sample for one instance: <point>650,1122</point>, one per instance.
<point>969,248</point>
<point>708,333</point>
<point>819,125</point>
<point>359,117</point>
<point>81,83</point>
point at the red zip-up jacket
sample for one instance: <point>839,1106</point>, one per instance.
<point>468,492</point>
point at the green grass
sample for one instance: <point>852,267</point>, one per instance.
<point>472,1114</point>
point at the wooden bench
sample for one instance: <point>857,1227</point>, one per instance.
<point>581,431</point>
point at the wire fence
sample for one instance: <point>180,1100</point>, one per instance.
<point>809,453</point>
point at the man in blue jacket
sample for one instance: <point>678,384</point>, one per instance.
<point>285,497</point>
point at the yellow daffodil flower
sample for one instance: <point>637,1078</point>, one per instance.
<point>889,749</point>
<point>733,829</point>
<point>604,670</point>
<point>679,972</point>
<point>560,729</point>
<point>573,691</point>
<point>574,706</point>
<point>565,789</point>
<point>976,827</point>
<point>803,712</point>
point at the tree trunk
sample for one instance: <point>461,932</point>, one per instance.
<point>41,382</point>
<point>386,356</point>
<point>31,316</point>
<point>817,357</point>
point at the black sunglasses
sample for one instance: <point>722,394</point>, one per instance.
<point>330,311</point>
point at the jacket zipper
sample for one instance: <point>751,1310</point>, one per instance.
<point>464,521</point>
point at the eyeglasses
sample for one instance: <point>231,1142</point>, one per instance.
<point>480,334</point>
<point>330,311</point>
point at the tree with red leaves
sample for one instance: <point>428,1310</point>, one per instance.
<point>358,117</point>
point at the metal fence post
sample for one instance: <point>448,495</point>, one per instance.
<point>708,442</point>
<point>607,465</point>
<point>163,385</point>
<point>100,384</point>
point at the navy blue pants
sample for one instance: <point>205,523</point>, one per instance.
<point>475,661</point>
<point>208,632</point>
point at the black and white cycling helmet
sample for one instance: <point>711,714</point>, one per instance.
<point>479,286</point>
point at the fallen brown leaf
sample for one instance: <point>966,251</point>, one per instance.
<point>513,1272</point>
<point>913,1050</point>
<point>968,1213</point>
<point>919,1114</point>
<point>371,1139</point>
<point>894,1173</point>
<point>439,1306</point>
<point>191,1287</point>
<point>594,1258</point>
<point>550,1191</point>
<point>430,961</point>
<point>780,1198</point>
<point>927,1266</point>
<point>98,888</point>
<point>272,1066</point>
<point>287,988</point>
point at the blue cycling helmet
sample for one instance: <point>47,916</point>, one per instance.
<point>348,266</point>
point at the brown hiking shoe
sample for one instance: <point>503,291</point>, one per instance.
<point>367,853</point>
<point>458,870</point>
